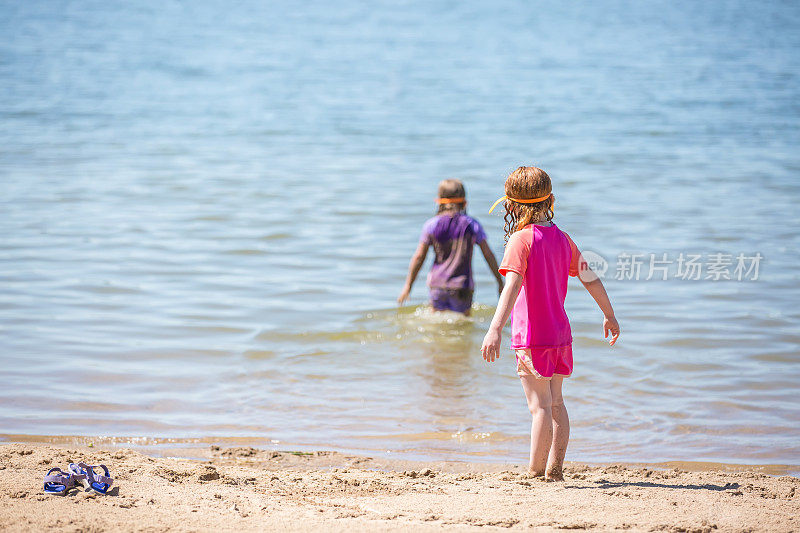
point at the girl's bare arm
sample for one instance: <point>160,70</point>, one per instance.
<point>492,262</point>
<point>598,292</point>
<point>417,261</point>
<point>491,342</point>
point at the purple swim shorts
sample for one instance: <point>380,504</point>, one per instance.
<point>458,300</point>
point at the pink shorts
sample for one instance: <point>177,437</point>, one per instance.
<point>545,362</point>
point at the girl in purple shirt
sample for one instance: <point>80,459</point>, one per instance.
<point>452,234</point>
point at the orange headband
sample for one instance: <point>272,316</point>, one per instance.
<point>521,200</point>
<point>450,200</point>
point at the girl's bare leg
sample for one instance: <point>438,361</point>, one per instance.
<point>537,392</point>
<point>558,450</point>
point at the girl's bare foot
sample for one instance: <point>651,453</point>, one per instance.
<point>554,475</point>
<point>530,474</point>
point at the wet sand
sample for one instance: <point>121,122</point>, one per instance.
<point>246,489</point>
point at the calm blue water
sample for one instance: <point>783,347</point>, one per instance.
<point>207,211</point>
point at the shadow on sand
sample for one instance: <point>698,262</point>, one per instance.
<point>603,484</point>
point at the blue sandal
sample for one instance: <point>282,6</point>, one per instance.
<point>90,479</point>
<point>58,483</point>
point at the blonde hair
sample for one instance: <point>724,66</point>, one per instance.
<point>451,188</point>
<point>527,183</point>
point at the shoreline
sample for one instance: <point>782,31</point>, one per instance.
<point>199,449</point>
<point>244,488</point>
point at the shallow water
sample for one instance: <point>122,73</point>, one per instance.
<point>207,214</point>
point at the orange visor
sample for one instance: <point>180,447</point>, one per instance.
<point>521,200</point>
<point>451,200</point>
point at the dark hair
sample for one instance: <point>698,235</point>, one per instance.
<point>452,188</point>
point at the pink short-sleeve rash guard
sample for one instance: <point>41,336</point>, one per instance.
<point>544,256</point>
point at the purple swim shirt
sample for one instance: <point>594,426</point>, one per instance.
<point>452,237</point>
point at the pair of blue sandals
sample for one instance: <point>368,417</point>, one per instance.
<point>59,482</point>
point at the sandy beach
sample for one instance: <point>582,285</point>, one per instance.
<point>245,489</point>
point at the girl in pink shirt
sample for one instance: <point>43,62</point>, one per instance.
<point>539,258</point>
